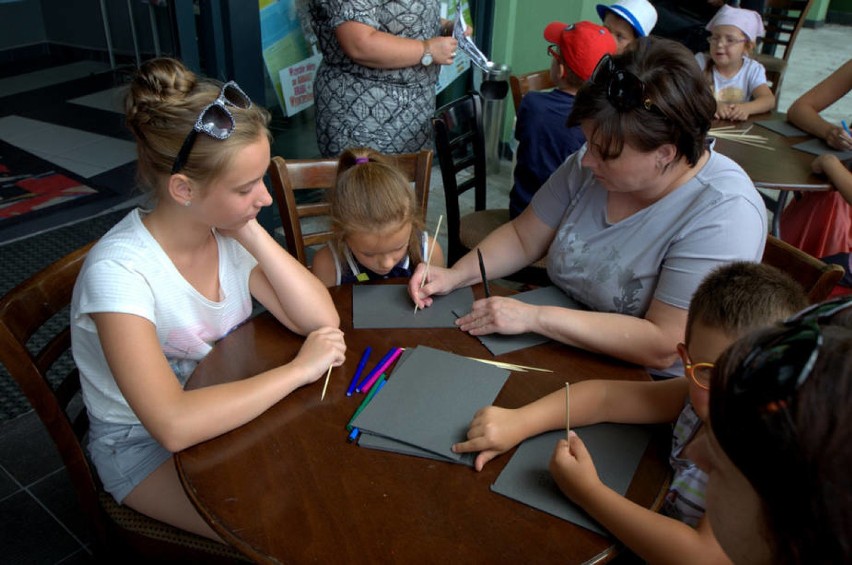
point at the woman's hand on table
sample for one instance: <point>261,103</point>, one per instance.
<point>837,138</point>
<point>573,469</point>
<point>498,314</point>
<point>492,431</point>
<point>322,349</point>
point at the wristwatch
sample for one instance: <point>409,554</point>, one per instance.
<point>426,60</point>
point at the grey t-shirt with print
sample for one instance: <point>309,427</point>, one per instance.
<point>662,251</point>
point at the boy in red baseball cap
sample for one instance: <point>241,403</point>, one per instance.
<point>544,142</point>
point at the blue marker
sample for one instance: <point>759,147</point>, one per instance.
<point>361,364</point>
<point>375,370</point>
<point>354,432</point>
<point>846,128</point>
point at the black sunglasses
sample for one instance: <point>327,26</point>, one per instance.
<point>773,371</point>
<point>214,120</point>
<point>624,90</point>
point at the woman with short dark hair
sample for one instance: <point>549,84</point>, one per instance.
<point>631,223</point>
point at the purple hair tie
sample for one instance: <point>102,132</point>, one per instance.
<point>361,160</point>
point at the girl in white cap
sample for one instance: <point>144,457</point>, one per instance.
<point>738,81</point>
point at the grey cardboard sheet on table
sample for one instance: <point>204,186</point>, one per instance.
<point>819,147</point>
<point>389,306</point>
<point>781,127</point>
<point>616,450</point>
<point>498,344</point>
<point>428,403</point>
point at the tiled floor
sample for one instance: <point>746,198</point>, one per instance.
<point>39,519</point>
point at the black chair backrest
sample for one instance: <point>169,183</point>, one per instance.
<point>460,145</point>
<point>784,20</point>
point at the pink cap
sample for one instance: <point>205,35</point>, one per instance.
<point>747,21</point>
<point>582,45</point>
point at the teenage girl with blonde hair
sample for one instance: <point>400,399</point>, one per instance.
<point>163,285</point>
<point>376,221</point>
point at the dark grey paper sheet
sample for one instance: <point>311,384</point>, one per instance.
<point>781,127</point>
<point>381,443</point>
<point>819,147</point>
<point>616,450</point>
<point>430,400</point>
<point>389,306</point>
<point>499,344</point>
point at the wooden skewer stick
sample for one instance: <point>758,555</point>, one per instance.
<point>325,386</point>
<point>567,411</point>
<point>429,258</point>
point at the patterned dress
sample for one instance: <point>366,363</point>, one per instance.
<point>386,109</point>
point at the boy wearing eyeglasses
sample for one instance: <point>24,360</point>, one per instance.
<point>544,141</point>
<point>732,300</point>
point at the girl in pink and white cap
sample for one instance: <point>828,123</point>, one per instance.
<point>738,81</point>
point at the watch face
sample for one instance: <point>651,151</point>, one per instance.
<point>427,59</point>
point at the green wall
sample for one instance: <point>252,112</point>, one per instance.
<point>840,5</point>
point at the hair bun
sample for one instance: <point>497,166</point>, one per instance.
<point>158,85</point>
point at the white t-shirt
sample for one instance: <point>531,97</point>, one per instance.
<point>662,251</point>
<point>128,272</point>
<point>740,87</point>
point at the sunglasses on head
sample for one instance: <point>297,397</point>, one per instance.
<point>624,90</point>
<point>214,120</point>
<point>774,370</point>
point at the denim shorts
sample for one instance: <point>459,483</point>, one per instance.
<point>124,455</point>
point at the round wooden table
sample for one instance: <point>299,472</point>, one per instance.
<point>288,487</point>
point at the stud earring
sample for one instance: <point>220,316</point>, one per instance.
<point>187,203</point>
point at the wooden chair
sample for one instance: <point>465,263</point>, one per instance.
<point>782,19</point>
<point>521,84</point>
<point>35,343</point>
<point>816,277</point>
<point>299,176</point>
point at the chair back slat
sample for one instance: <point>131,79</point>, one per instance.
<point>783,19</point>
<point>816,277</point>
<point>460,145</point>
<point>521,84</point>
<point>311,178</point>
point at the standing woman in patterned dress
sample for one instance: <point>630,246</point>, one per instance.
<point>376,84</point>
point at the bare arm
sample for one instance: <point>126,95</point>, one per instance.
<point>323,267</point>
<point>648,341</point>
<point>506,250</point>
<point>377,49</point>
<point>495,430</point>
<point>653,537</point>
<point>284,286</point>
<point>841,177</point>
<point>804,112</point>
<point>178,418</point>
<point>762,101</point>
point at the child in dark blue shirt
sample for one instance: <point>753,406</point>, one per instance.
<point>544,141</point>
